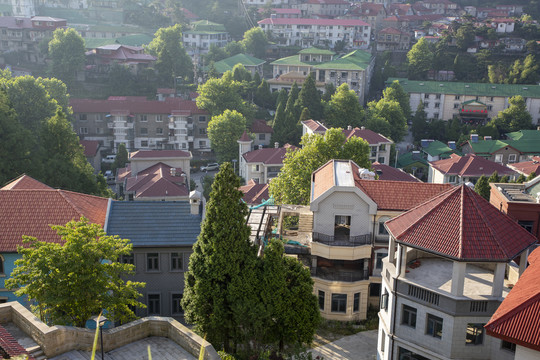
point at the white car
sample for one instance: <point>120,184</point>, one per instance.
<point>210,167</point>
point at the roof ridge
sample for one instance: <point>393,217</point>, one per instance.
<point>514,310</point>
<point>71,202</point>
<point>461,230</point>
<point>467,164</point>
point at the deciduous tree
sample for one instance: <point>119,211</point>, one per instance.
<point>66,50</point>
<point>292,185</point>
<point>344,109</point>
<point>78,278</point>
<point>223,131</point>
<point>255,42</point>
<point>420,60</point>
<point>390,110</point>
<point>515,117</point>
<point>395,92</point>
<point>220,94</point>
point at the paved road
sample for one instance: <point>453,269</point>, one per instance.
<point>360,346</point>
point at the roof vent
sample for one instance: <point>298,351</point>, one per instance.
<point>260,146</point>
<point>525,88</point>
<point>421,84</point>
<point>276,144</point>
<point>487,138</point>
<point>467,86</point>
<point>493,87</point>
<point>441,84</point>
<point>349,127</point>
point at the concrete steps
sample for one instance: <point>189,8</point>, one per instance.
<point>305,223</point>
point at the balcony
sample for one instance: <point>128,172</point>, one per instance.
<point>342,240</point>
<point>336,274</point>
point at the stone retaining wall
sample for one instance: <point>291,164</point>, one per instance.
<point>56,340</point>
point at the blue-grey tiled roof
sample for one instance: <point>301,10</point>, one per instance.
<point>154,223</point>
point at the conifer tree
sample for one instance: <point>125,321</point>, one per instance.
<point>531,176</point>
<point>521,179</point>
<point>217,286</point>
<point>504,179</point>
<point>305,115</point>
<point>482,187</point>
<point>494,178</point>
<point>309,97</point>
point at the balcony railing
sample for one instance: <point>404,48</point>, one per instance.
<point>341,275</point>
<point>342,240</point>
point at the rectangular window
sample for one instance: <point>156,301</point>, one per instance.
<point>426,96</point>
<point>321,299</point>
<point>436,115</point>
<point>176,304</point>
<point>159,131</point>
<point>384,300</point>
<point>159,118</point>
<point>434,326</point>
<point>99,130</point>
<point>378,261</point>
<point>262,137</point>
<point>128,259</point>
<point>202,131</point>
<point>154,304</point>
<point>512,158</point>
<point>202,144</point>
<point>144,131</point>
<point>452,179</point>
<point>408,316</point>
<point>99,117</point>
<point>339,303</point>
<point>83,130</point>
<point>152,262</point>
<point>374,289</point>
<point>498,158</point>
<point>506,345</point>
<point>456,105</point>
<point>438,96</point>
<point>475,334</point>
<point>491,98</point>
<point>82,117</point>
<point>202,118</point>
<point>143,118</point>
<point>177,262</point>
<point>144,143</point>
<point>457,97</point>
<point>426,104</point>
<point>527,225</point>
<point>490,107</point>
<point>356,302</point>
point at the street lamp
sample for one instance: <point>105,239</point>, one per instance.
<point>100,321</point>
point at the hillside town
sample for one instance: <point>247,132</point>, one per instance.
<point>269,179</point>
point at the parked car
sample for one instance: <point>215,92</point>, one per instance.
<point>210,167</point>
<point>109,159</point>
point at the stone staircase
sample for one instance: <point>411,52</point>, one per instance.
<point>36,352</point>
<point>305,223</point>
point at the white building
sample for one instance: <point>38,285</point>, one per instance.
<point>451,261</point>
<point>355,34</point>
<point>202,35</point>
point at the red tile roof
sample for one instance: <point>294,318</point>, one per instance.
<point>273,156</point>
<point>134,105</point>
<point>245,137</point>
<point>315,126</point>
<point>10,345</point>
<point>391,30</point>
<point>470,165</point>
<point>90,147</point>
<point>474,230</point>
<point>370,136</point>
<point>284,11</point>
<point>303,21</point>
<point>260,126</point>
<point>388,195</point>
<point>386,172</point>
<point>516,319</point>
<point>167,91</point>
<point>254,193</point>
<point>328,2</point>
<point>30,212</point>
<point>367,9</point>
<point>157,181</point>
<point>25,182</point>
<point>121,53</point>
<point>152,154</point>
<point>527,167</point>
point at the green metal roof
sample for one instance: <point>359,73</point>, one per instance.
<point>229,63</point>
<point>205,25</point>
<point>529,146</point>
<point>130,40</point>
<point>355,60</point>
<point>316,51</point>
<point>291,60</point>
<point>463,88</point>
<point>525,135</point>
<point>473,101</point>
<point>487,146</point>
<point>407,160</point>
<point>436,148</point>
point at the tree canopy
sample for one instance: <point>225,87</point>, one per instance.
<point>344,109</point>
<point>420,60</point>
<point>293,183</point>
<point>255,42</point>
<point>66,50</point>
<point>78,278</point>
<point>310,98</point>
<point>515,117</point>
<point>223,131</point>
<point>391,112</point>
<point>172,59</point>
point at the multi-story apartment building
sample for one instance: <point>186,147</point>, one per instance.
<point>471,102</point>
<point>202,35</point>
<point>23,34</point>
<point>393,39</point>
<point>172,124</point>
<point>355,34</point>
<point>371,13</point>
<point>354,68</point>
<point>451,261</point>
<point>323,8</point>
<point>379,145</point>
<point>349,239</point>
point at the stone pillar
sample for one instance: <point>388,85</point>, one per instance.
<point>459,270</point>
<point>523,261</point>
<point>392,250</point>
<point>498,280</point>
<point>401,264</point>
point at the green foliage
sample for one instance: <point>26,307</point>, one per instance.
<point>305,115</point>
<point>505,179</point>
<point>220,94</point>
<point>420,60</point>
<point>521,179</point>
<point>531,176</point>
<point>395,92</point>
<point>66,50</point>
<point>207,182</point>
<point>310,98</point>
<point>293,183</point>
<point>329,90</point>
<point>494,178</point>
<point>284,127</point>
<point>391,112</point>
<point>223,131</point>
<point>514,118</point>
<point>223,260</point>
<point>482,187</point>
<point>263,95</point>
<point>76,279</point>
<point>465,37</point>
<point>344,109</point>
<point>172,59</point>
<point>255,42</point>
<point>122,157</point>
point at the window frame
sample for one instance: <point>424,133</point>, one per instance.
<point>2,266</point>
<point>321,296</point>
<point>155,262</point>
<point>180,257</point>
<point>356,302</point>
<point>408,316</point>
<point>173,300</point>
<point>477,337</point>
<point>434,326</point>
<point>128,259</point>
<point>339,303</point>
<point>149,307</point>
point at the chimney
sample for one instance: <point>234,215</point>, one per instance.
<point>173,171</point>
<point>276,144</point>
<point>362,128</point>
<point>194,202</point>
<point>349,127</point>
<point>487,138</point>
<point>260,146</point>
<point>452,145</point>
